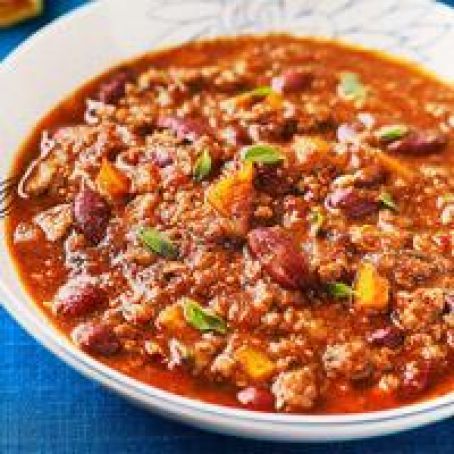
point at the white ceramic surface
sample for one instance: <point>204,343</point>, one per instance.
<point>63,55</point>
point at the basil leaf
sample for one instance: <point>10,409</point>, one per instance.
<point>351,88</point>
<point>201,318</point>
<point>339,290</point>
<point>202,166</point>
<point>387,200</point>
<point>158,242</point>
<point>392,132</point>
<point>316,219</point>
<point>265,154</point>
<point>261,92</point>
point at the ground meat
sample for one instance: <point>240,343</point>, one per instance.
<point>139,255</point>
<point>44,174</point>
<point>55,222</point>
<point>369,238</point>
<point>25,232</point>
<point>408,268</point>
<point>223,365</point>
<point>447,215</point>
<point>145,179</point>
<point>415,378</point>
<point>254,398</point>
<point>141,208</point>
<point>137,313</point>
<point>295,390</point>
<point>419,309</point>
<point>427,347</point>
<point>204,351</point>
<point>351,360</point>
<point>178,353</point>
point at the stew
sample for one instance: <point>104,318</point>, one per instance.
<point>262,222</point>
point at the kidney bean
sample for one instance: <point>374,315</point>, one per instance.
<point>91,213</point>
<point>257,399</point>
<point>420,143</point>
<point>292,80</point>
<point>77,298</point>
<point>415,378</point>
<point>449,303</point>
<point>96,338</point>
<point>280,257</point>
<point>185,128</point>
<point>353,202</point>
<point>390,337</point>
<point>114,89</point>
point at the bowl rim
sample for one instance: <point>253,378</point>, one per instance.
<point>34,322</point>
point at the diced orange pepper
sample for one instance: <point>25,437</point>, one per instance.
<point>274,100</point>
<point>233,191</point>
<point>371,291</point>
<point>171,318</point>
<point>244,100</point>
<point>255,363</point>
<point>112,181</point>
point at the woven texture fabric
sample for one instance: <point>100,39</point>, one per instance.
<point>46,407</point>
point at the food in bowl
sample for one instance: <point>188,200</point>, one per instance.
<point>261,221</point>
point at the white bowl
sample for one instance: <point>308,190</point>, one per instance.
<point>82,44</point>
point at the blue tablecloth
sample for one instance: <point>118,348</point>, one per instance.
<point>46,407</point>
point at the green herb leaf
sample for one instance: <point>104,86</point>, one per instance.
<point>351,88</point>
<point>317,219</point>
<point>261,92</point>
<point>265,154</point>
<point>339,290</point>
<point>201,318</point>
<point>392,132</point>
<point>158,242</point>
<point>202,167</point>
<point>387,200</point>
<point>448,198</point>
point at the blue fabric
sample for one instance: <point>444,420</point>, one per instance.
<point>46,407</point>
